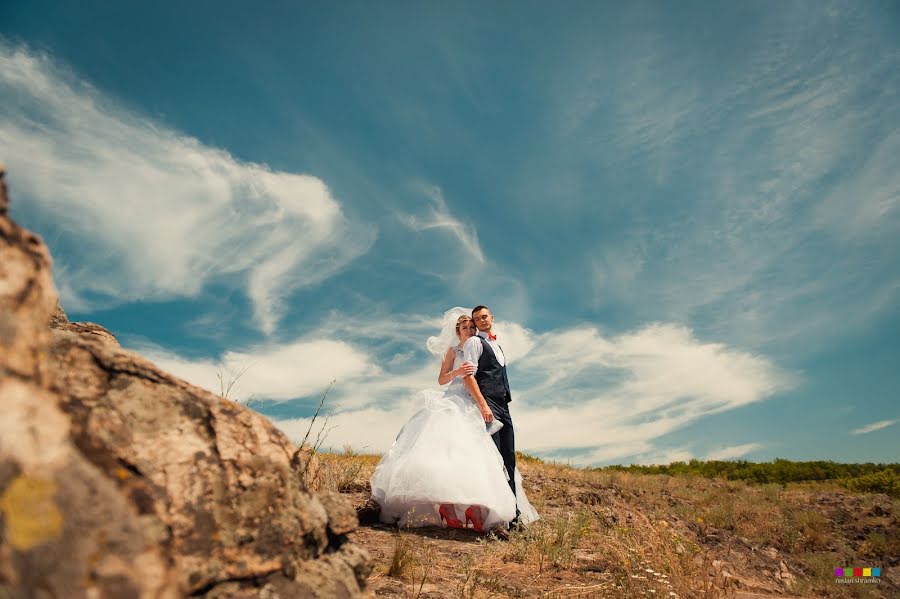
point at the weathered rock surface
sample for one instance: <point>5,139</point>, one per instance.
<point>60,321</point>
<point>120,480</point>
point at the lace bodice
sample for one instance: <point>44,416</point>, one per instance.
<point>456,384</point>
<point>458,360</point>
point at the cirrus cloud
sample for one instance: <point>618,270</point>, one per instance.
<point>875,426</point>
<point>142,212</point>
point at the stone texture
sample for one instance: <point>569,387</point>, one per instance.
<point>341,515</point>
<point>27,297</point>
<point>66,530</point>
<point>60,321</point>
<point>119,480</point>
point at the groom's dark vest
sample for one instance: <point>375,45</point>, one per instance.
<point>490,376</point>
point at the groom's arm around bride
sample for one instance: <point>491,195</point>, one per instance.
<point>473,389</point>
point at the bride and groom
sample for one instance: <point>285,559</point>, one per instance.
<point>454,461</point>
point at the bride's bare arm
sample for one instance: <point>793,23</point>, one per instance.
<point>446,375</point>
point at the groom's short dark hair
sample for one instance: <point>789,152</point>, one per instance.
<point>477,308</point>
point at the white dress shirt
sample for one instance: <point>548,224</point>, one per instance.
<point>473,349</point>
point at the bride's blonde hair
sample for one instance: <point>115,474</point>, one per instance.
<point>461,320</point>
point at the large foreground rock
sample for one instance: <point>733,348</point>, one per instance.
<point>120,480</point>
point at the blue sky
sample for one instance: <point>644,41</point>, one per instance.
<point>684,217</point>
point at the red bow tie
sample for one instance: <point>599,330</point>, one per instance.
<point>492,337</point>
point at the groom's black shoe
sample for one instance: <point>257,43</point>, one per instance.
<point>500,533</point>
<point>369,513</point>
<point>516,524</point>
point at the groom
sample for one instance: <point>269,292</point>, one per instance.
<point>489,387</point>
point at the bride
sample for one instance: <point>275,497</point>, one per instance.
<point>443,466</point>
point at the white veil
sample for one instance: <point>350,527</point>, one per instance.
<point>447,337</point>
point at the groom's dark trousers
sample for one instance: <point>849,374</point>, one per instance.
<point>494,385</point>
<point>505,438</point>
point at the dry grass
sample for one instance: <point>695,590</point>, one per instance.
<point>643,558</point>
<point>410,563</point>
<point>615,534</point>
<point>345,472</point>
<point>403,557</point>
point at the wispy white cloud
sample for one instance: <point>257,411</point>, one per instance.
<point>733,451</point>
<point>632,451</point>
<point>441,241</point>
<point>869,203</point>
<point>786,205</point>
<point>273,372</point>
<point>439,217</point>
<point>615,273</point>
<point>142,212</point>
<point>371,430</point>
<point>343,348</point>
<point>665,456</point>
<point>875,426</point>
<point>603,393</point>
<point>576,392</point>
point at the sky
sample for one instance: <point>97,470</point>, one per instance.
<point>685,217</point>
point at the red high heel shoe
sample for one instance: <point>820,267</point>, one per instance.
<point>473,515</point>
<point>448,515</point>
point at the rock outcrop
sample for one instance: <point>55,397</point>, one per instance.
<point>120,480</point>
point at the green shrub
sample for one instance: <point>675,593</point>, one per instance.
<point>778,471</point>
<point>886,481</point>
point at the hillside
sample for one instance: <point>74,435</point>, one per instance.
<point>620,534</point>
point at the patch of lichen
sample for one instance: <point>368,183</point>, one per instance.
<point>30,512</point>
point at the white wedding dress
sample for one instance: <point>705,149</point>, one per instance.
<point>443,454</point>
